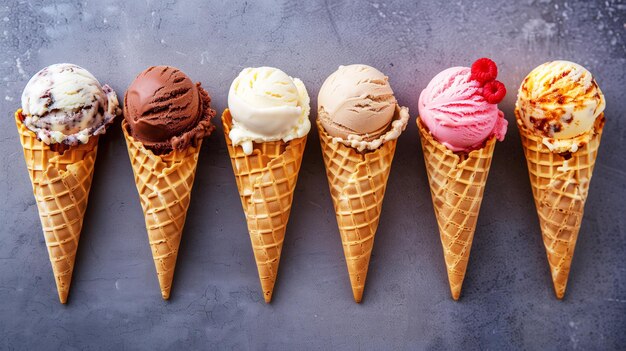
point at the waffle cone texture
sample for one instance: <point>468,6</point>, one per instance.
<point>61,183</point>
<point>357,182</point>
<point>560,184</point>
<point>164,184</point>
<point>457,183</point>
<point>266,180</point>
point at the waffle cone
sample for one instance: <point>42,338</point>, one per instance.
<point>61,183</point>
<point>457,184</point>
<point>266,180</point>
<point>560,186</point>
<point>357,182</point>
<point>164,184</point>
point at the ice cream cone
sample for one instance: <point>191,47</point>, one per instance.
<point>61,183</point>
<point>357,182</point>
<point>164,183</point>
<point>560,185</point>
<point>457,184</point>
<point>266,180</point>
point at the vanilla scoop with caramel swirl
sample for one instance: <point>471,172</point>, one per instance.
<point>560,100</point>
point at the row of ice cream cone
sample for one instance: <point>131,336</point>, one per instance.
<point>166,116</point>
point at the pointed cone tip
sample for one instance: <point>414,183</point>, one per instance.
<point>357,294</point>
<point>63,293</point>
<point>63,297</point>
<point>559,294</point>
<point>557,284</point>
<point>456,293</point>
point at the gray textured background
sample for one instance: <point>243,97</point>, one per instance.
<point>507,299</point>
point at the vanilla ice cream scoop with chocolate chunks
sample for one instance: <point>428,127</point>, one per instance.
<point>65,104</point>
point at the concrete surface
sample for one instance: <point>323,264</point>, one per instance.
<point>507,300</point>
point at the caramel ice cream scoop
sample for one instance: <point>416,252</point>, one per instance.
<point>356,106</point>
<point>356,99</point>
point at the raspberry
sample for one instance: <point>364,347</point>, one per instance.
<point>494,91</point>
<point>484,70</point>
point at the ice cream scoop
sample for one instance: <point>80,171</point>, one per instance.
<point>267,105</point>
<point>64,103</point>
<point>560,101</point>
<point>166,111</point>
<point>356,106</point>
<point>460,108</point>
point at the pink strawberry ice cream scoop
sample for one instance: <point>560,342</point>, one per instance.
<point>459,106</point>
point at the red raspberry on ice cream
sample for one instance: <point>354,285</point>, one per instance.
<point>494,92</point>
<point>484,70</point>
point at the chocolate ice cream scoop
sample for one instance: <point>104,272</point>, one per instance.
<point>166,111</point>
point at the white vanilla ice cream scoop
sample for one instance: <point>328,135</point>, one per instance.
<point>64,103</point>
<point>267,105</point>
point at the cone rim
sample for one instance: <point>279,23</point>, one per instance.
<point>461,156</point>
<point>226,119</point>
